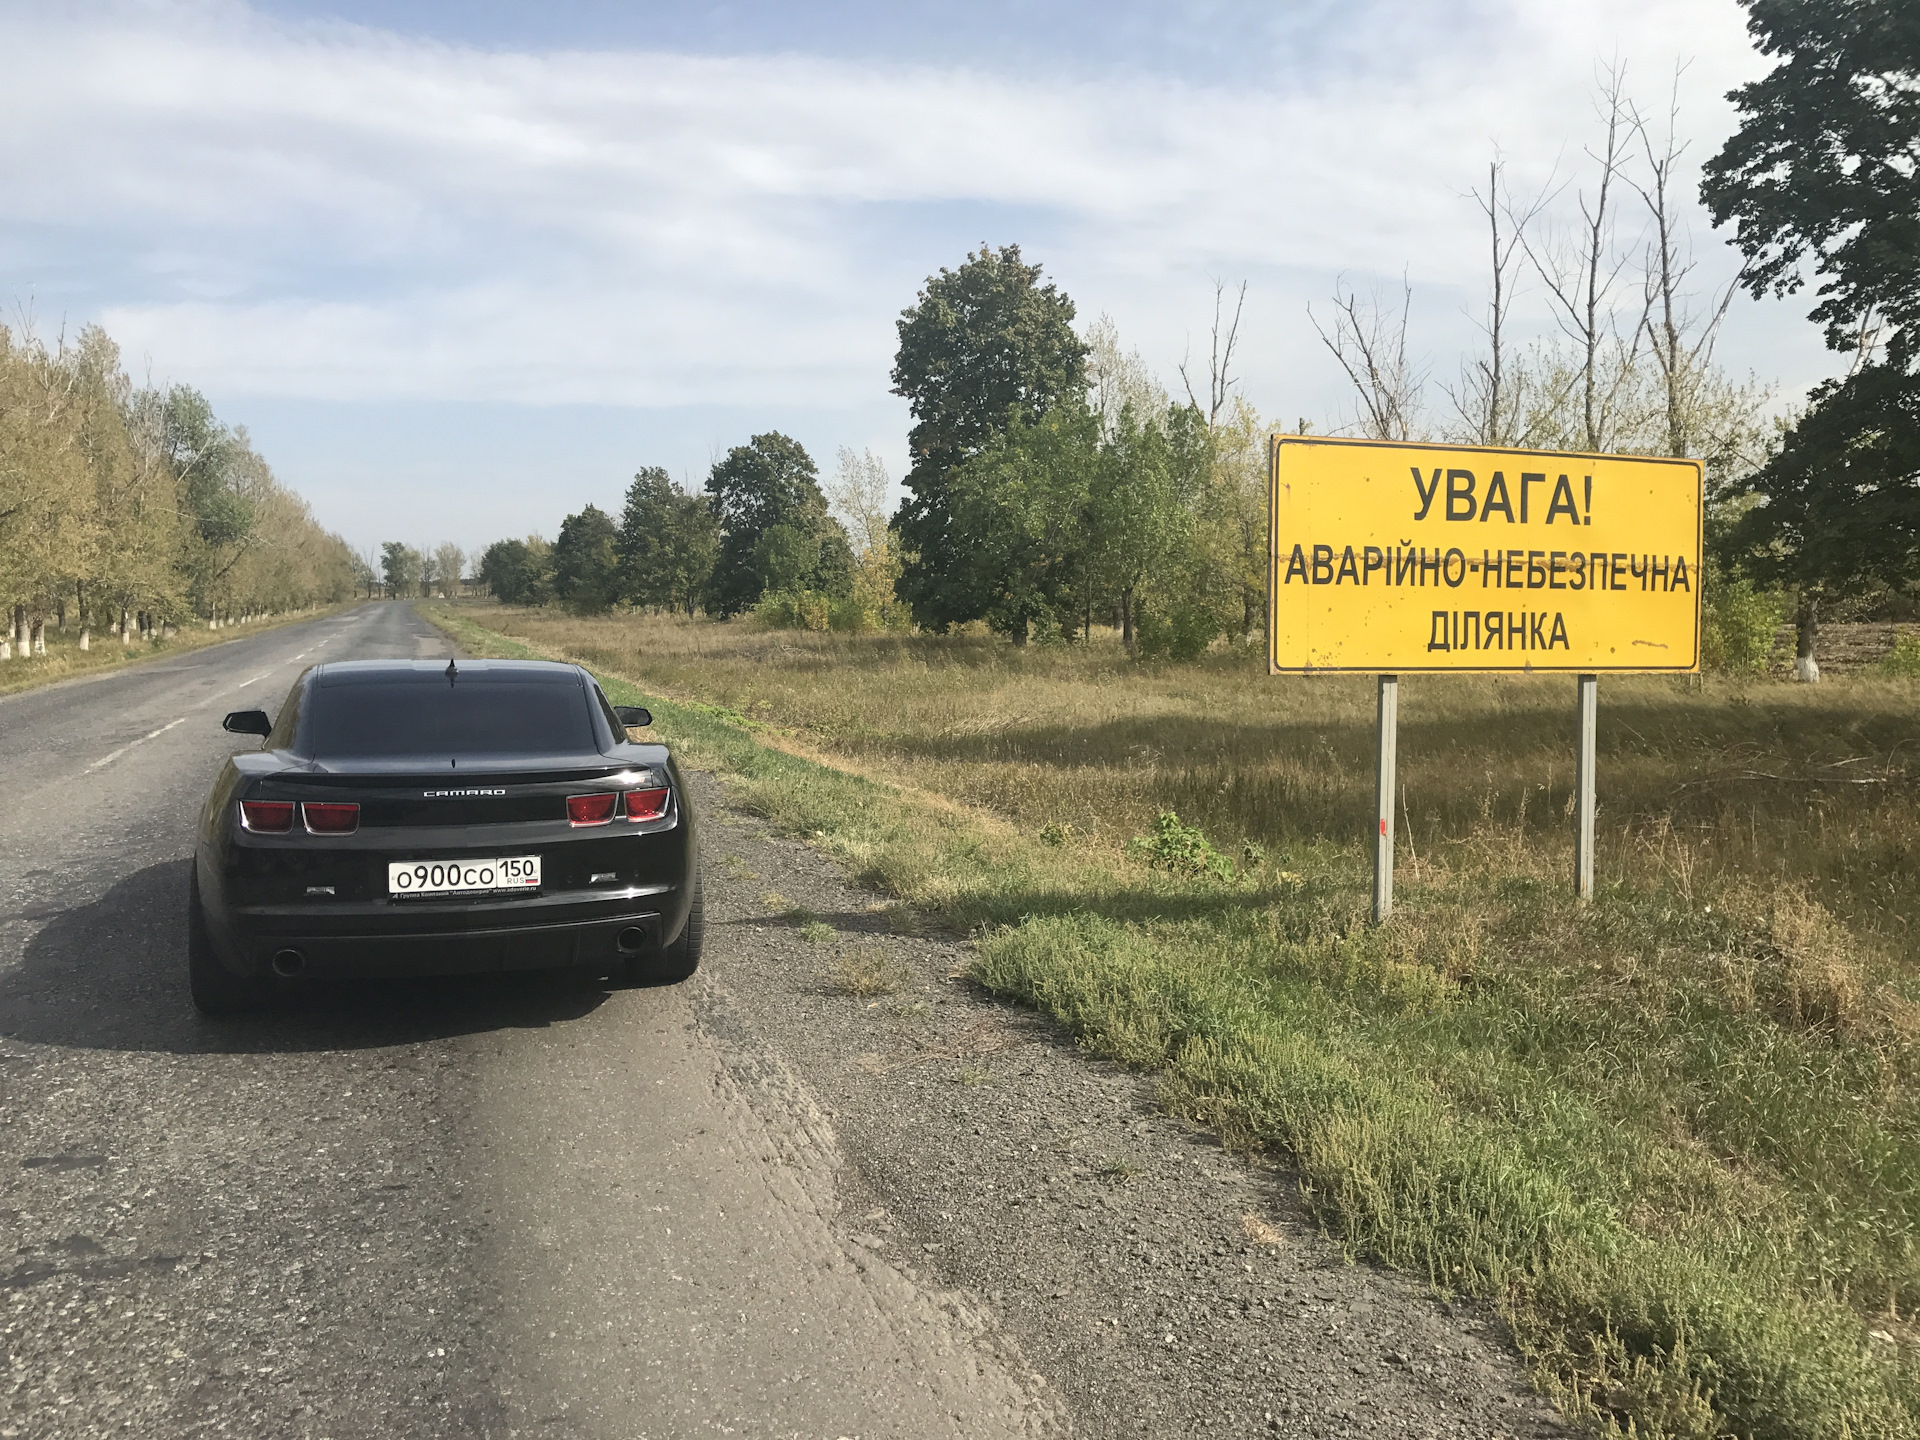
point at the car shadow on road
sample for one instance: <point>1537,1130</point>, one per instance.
<point>112,975</point>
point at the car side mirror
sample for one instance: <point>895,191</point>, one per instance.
<point>248,722</point>
<point>634,717</point>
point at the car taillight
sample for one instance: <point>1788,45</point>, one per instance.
<point>646,804</point>
<point>591,809</point>
<point>331,819</point>
<point>267,817</point>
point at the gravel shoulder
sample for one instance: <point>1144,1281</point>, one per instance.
<point>1153,1283</point>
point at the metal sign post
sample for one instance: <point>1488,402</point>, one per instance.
<point>1583,803</point>
<point>1389,736</point>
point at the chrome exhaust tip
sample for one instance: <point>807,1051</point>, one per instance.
<point>632,940</point>
<point>288,963</point>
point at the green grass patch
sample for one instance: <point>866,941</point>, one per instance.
<point>1673,1135</point>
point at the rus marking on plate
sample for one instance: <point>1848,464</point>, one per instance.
<point>1402,558</point>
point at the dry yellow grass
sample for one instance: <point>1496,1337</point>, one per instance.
<point>1700,783</point>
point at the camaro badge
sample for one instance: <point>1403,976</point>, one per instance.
<point>458,794</point>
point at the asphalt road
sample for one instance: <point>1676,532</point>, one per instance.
<point>514,1206</point>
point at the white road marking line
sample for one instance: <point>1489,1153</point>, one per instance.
<point>261,676</point>
<point>109,759</point>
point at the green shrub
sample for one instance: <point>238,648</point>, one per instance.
<point>1182,849</point>
<point>794,610</point>
<point>1903,661</point>
<point>1183,633</point>
<point>1738,627</point>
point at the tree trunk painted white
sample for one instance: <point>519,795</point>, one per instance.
<point>1806,623</point>
<point>86,638</point>
<point>39,637</point>
<point>6,647</point>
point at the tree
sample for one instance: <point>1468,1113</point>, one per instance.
<point>400,565</point>
<point>980,345</point>
<point>1219,355</point>
<point>1369,340</point>
<point>1841,516</point>
<point>1580,275</point>
<point>119,507</point>
<point>1143,504</point>
<point>1493,397</point>
<point>1020,509</point>
<point>449,564</point>
<point>507,570</point>
<point>1822,168</point>
<point>1234,521</point>
<point>785,558</point>
<point>668,543</point>
<point>1823,173</point>
<point>204,454</point>
<point>586,562</point>
<point>859,500</point>
<point>769,482</point>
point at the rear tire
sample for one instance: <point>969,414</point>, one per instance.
<point>679,960</point>
<point>216,990</point>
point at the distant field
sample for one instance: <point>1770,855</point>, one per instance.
<point>1675,1134</point>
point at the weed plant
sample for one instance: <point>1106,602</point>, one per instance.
<point>1674,1134</point>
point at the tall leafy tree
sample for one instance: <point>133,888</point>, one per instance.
<point>401,566</point>
<point>1143,504</point>
<point>586,561</point>
<point>1823,175</point>
<point>204,453</point>
<point>770,483</point>
<point>1020,506</point>
<point>518,572</point>
<point>980,345</point>
<point>668,543</point>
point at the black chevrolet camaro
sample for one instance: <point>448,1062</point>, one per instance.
<point>415,818</point>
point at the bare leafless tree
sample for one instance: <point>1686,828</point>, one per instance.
<point>1369,339</point>
<point>1491,399</point>
<point>1580,276</point>
<point>1219,355</point>
<point>1681,340</point>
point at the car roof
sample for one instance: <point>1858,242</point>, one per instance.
<point>474,672</point>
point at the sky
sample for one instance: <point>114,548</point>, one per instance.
<point>462,268</point>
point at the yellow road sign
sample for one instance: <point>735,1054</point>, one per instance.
<point>1401,558</point>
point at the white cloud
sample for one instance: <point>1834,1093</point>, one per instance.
<point>334,213</point>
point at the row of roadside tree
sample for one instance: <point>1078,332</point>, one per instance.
<point>763,537</point>
<point>131,510</point>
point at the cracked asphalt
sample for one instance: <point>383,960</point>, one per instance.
<point>750,1204</point>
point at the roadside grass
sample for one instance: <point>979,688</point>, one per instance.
<point>1674,1135</point>
<point>65,659</point>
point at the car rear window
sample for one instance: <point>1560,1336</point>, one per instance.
<point>502,715</point>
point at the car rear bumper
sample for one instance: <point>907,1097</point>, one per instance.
<point>540,932</point>
<point>567,945</point>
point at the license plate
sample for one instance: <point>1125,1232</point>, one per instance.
<point>462,877</point>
